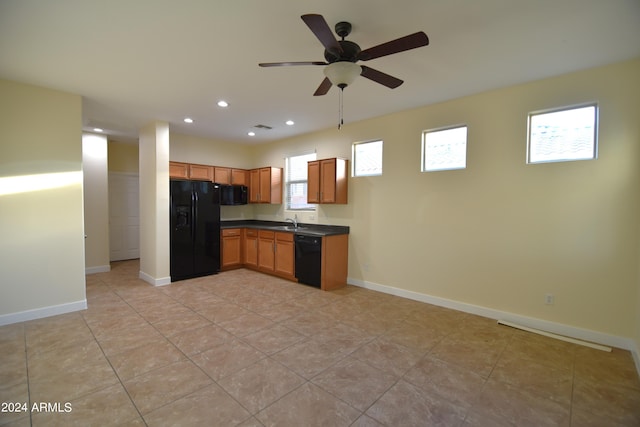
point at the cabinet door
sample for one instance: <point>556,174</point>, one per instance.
<point>254,186</point>
<point>313,182</point>
<point>284,256</point>
<point>178,170</point>
<point>275,185</point>
<point>239,177</point>
<point>231,248</point>
<point>265,185</point>
<point>266,250</point>
<point>251,248</point>
<point>222,175</point>
<point>328,181</point>
<point>201,172</point>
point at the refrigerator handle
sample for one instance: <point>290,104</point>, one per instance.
<point>194,213</point>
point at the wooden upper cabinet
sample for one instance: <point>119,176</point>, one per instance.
<point>222,175</point>
<point>200,172</point>
<point>327,181</point>
<point>178,170</point>
<point>265,185</point>
<point>313,181</point>
<point>219,174</point>
<point>254,186</point>
<point>231,176</point>
<point>239,177</point>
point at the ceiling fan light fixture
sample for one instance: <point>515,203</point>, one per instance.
<point>342,73</point>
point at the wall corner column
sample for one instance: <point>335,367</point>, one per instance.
<point>154,204</point>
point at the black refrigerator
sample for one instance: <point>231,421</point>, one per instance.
<point>195,229</point>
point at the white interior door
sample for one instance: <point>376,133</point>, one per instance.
<point>124,216</point>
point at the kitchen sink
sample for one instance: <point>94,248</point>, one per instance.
<point>287,228</point>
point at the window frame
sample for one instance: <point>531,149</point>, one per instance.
<point>311,207</point>
<point>354,159</point>
<point>596,119</point>
<point>423,163</point>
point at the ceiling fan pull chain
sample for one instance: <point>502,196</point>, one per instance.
<point>340,110</point>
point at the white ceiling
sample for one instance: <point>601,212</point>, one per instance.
<point>138,61</point>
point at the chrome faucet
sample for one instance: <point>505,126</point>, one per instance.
<point>293,221</point>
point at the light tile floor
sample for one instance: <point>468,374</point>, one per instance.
<point>246,349</point>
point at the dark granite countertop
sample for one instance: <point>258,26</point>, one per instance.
<point>303,228</point>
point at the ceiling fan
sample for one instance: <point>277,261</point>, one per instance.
<point>341,55</point>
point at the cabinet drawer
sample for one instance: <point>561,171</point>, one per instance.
<point>228,232</point>
<point>284,237</point>
<point>251,232</point>
<point>266,234</point>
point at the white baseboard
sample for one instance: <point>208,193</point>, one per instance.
<point>39,313</point>
<point>152,280</point>
<point>636,356</point>
<point>544,325</point>
<point>97,269</point>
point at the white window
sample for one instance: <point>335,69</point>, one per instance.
<point>296,182</point>
<point>367,158</point>
<point>444,149</point>
<point>563,134</point>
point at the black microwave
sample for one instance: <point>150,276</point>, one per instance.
<point>233,194</point>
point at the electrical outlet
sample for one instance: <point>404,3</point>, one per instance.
<point>549,299</point>
<point>312,217</point>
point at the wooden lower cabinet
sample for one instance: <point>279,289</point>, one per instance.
<point>334,265</point>
<point>231,239</point>
<point>251,248</point>
<point>266,250</point>
<point>284,263</point>
<point>273,253</point>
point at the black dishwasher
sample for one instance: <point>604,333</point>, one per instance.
<point>308,259</point>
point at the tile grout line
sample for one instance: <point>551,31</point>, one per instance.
<point>109,361</point>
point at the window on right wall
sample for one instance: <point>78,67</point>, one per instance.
<point>444,149</point>
<point>367,158</point>
<point>563,134</point>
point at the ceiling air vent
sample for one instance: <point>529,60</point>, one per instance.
<point>263,127</point>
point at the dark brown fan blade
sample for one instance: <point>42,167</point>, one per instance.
<point>380,77</point>
<point>287,64</point>
<point>411,41</point>
<point>323,88</point>
<point>320,28</point>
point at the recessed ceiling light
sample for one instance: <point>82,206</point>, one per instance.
<point>223,104</point>
<point>98,130</point>
<point>188,120</point>
<point>290,122</point>
<point>251,133</point>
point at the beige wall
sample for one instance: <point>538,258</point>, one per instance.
<point>123,157</point>
<point>96,202</point>
<point>192,149</point>
<point>500,234</point>
<point>41,218</point>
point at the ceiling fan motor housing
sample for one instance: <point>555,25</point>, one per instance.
<point>350,52</point>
